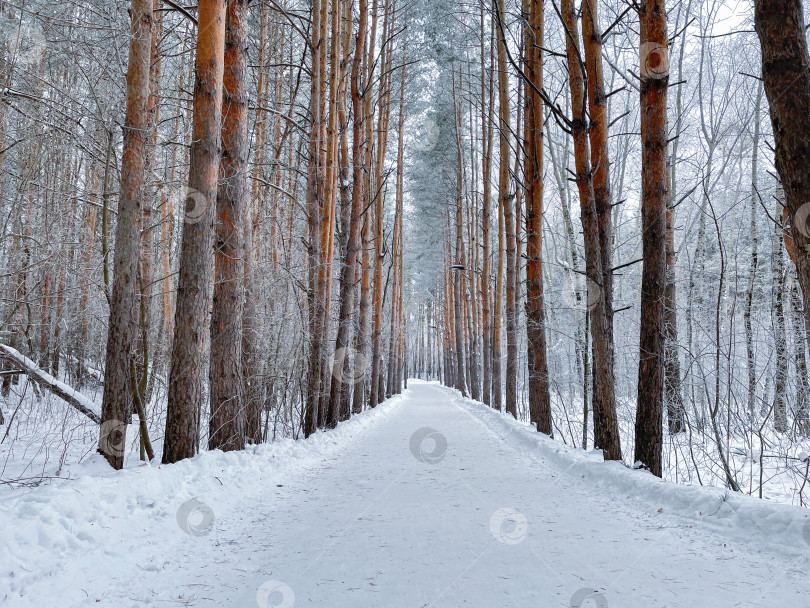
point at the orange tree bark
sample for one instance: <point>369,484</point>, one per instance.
<point>654,195</point>
<point>786,79</point>
<point>539,397</point>
<point>600,161</point>
<point>186,380</point>
<point>605,425</point>
<point>598,134</point>
<point>227,422</point>
<point>117,402</point>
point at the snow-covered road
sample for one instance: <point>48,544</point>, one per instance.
<point>426,506</point>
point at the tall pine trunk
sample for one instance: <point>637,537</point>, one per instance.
<point>315,179</point>
<point>191,324</point>
<point>364,325</point>
<point>227,422</point>
<point>539,394</point>
<point>600,161</point>
<point>359,219</point>
<point>507,204</point>
<point>351,207</point>
<point>117,402</point>
<point>605,424</point>
<point>654,195</point>
<point>786,79</point>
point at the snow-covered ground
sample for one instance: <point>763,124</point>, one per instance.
<point>45,440</point>
<point>428,500</point>
<point>759,457</point>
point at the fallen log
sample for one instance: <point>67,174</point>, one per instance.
<point>44,379</point>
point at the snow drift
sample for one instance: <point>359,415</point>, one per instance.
<point>738,516</point>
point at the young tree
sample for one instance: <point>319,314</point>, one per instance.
<point>673,390</point>
<point>780,379</point>
<point>458,262</point>
<point>752,268</point>
<point>676,415</point>
<point>252,361</point>
<point>487,92</point>
<point>396,338</point>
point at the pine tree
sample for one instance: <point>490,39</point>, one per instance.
<point>117,405</point>
<point>186,378</point>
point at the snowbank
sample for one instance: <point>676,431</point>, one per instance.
<point>83,523</point>
<point>733,515</point>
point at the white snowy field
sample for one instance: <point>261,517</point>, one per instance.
<point>429,500</point>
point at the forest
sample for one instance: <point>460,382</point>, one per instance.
<point>236,222</point>
<point>416,303</point>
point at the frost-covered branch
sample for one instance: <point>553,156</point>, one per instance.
<point>60,389</point>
